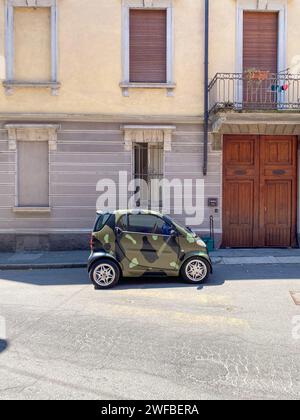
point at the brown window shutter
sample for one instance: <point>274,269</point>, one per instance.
<point>148,46</point>
<point>261,41</point>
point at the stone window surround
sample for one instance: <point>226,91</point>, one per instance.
<point>30,132</point>
<point>144,5</point>
<point>10,83</point>
<point>279,6</point>
<point>148,134</point>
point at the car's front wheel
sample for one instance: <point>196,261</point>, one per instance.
<point>105,274</point>
<point>196,270</point>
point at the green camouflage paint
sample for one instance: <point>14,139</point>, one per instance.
<point>139,253</point>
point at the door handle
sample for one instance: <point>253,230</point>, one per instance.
<point>279,172</point>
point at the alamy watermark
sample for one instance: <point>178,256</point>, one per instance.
<point>184,197</point>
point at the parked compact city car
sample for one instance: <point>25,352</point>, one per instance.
<point>134,243</point>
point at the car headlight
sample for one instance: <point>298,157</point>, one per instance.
<point>201,243</point>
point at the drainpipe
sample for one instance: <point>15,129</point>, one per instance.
<point>206,84</point>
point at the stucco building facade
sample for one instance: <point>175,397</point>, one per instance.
<point>79,103</point>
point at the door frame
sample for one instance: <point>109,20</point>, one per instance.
<point>296,190</point>
<point>252,6</point>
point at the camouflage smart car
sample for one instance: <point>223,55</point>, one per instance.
<point>135,243</point>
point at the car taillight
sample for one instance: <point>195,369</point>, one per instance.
<point>92,243</point>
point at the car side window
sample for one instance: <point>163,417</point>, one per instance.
<point>147,223</point>
<point>101,221</point>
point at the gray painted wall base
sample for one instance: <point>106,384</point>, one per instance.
<point>47,242</point>
<point>60,242</point>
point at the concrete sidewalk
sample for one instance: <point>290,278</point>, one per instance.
<point>256,256</point>
<point>78,259</point>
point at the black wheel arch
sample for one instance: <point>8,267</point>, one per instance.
<point>190,257</point>
<point>99,257</point>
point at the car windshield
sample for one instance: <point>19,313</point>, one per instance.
<point>180,227</point>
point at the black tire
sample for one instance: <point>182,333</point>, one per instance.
<point>111,269</point>
<point>203,266</point>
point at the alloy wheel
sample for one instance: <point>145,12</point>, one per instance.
<point>196,270</point>
<point>104,275</point>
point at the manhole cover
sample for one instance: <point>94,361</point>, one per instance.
<point>296,297</point>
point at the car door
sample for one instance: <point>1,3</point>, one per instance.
<point>147,242</point>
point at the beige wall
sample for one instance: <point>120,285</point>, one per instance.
<point>90,67</point>
<point>293,50</point>
<point>222,36</point>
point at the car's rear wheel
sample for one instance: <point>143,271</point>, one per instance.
<point>196,270</point>
<point>104,274</point>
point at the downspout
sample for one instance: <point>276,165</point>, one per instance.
<point>206,86</point>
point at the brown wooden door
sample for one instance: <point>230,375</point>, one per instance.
<point>260,52</point>
<point>278,191</point>
<point>241,191</point>
<point>259,191</point>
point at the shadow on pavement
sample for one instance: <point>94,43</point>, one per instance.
<point>3,345</point>
<point>152,283</point>
<point>222,274</point>
<point>59,277</point>
<point>73,277</point>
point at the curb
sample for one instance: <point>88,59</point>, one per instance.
<point>268,260</point>
<point>54,266</point>
<point>216,260</point>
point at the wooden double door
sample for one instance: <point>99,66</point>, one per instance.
<point>259,191</point>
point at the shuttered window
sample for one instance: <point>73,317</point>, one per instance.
<point>148,46</point>
<point>261,41</point>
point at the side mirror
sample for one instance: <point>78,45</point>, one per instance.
<point>118,231</point>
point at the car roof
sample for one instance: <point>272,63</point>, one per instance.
<point>132,211</point>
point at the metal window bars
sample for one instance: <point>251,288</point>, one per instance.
<point>148,168</point>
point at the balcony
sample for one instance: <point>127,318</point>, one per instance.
<point>254,91</point>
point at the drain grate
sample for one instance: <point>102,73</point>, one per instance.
<point>296,297</point>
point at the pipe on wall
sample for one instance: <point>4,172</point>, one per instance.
<point>206,84</point>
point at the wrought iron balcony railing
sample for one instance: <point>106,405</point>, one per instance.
<point>254,91</point>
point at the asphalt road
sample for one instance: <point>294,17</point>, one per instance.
<point>150,339</point>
